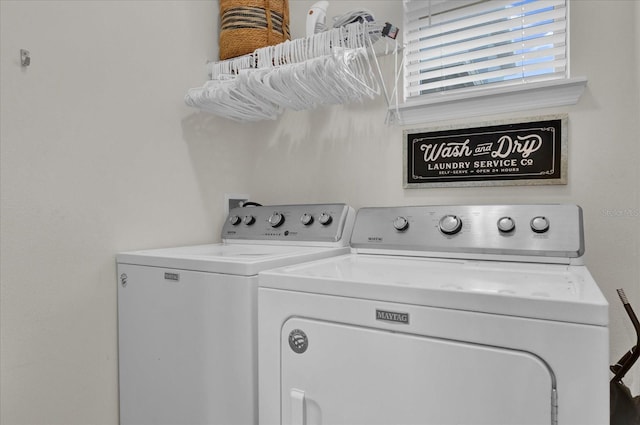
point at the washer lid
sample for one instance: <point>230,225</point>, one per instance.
<point>541,291</point>
<point>236,259</point>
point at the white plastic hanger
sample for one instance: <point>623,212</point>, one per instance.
<point>331,67</point>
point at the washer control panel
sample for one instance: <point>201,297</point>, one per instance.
<point>290,223</point>
<point>533,230</point>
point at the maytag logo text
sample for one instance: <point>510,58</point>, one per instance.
<point>392,316</point>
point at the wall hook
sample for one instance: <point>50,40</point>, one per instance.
<point>25,57</point>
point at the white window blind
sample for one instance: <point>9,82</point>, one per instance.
<point>454,45</point>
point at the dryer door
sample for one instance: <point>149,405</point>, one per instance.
<point>340,374</point>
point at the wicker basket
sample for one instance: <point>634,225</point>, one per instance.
<point>247,25</point>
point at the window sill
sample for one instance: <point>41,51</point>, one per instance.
<point>498,100</point>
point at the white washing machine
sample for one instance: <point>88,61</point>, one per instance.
<point>440,315</point>
<point>187,316</point>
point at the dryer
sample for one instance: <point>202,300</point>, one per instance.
<point>187,319</point>
<point>440,315</point>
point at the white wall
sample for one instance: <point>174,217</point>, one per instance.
<point>99,155</point>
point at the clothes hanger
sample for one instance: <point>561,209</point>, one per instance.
<point>332,67</point>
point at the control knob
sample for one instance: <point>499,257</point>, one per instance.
<point>539,224</point>
<point>325,219</point>
<point>235,220</point>
<point>506,224</point>
<point>306,219</point>
<point>249,220</point>
<point>401,224</point>
<point>276,219</point>
<point>450,224</point>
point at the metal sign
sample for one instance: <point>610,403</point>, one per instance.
<point>172,276</point>
<point>520,152</point>
<point>392,316</point>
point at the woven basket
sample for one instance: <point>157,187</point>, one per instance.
<point>247,25</point>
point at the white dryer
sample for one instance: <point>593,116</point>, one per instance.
<point>187,316</point>
<point>440,315</point>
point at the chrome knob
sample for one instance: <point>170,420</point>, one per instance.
<point>506,224</point>
<point>235,220</point>
<point>249,220</point>
<point>539,224</point>
<point>401,224</point>
<point>325,219</point>
<point>306,219</point>
<point>450,224</point>
<point>276,219</point>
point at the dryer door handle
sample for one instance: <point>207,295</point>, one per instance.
<point>298,413</point>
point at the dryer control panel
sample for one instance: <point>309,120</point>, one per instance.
<point>306,224</point>
<point>551,231</point>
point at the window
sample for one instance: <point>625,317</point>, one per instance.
<point>483,53</point>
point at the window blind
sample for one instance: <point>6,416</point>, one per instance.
<point>460,44</point>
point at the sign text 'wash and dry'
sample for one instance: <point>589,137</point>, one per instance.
<point>510,153</point>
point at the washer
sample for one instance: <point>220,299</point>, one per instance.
<point>187,316</point>
<point>439,315</point>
